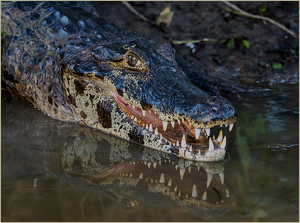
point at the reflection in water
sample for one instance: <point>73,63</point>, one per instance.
<point>138,176</point>
<point>88,160</point>
<point>58,171</point>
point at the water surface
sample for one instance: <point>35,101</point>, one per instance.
<point>58,171</point>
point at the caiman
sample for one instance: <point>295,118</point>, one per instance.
<point>77,67</point>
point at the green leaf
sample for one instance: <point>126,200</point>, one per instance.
<point>246,44</point>
<point>3,33</point>
<point>277,65</point>
<point>230,43</point>
<point>263,9</point>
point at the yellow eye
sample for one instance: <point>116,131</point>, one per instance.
<point>132,60</point>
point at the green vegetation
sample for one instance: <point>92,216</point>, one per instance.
<point>277,65</point>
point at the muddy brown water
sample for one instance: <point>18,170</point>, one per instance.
<point>58,171</point>
<point>42,182</point>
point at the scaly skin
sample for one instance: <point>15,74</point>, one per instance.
<point>77,67</point>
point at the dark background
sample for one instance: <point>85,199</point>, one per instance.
<point>198,20</point>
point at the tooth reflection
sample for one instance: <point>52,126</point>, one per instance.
<point>209,179</point>
<point>194,191</point>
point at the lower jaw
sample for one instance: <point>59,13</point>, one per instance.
<point>195,141</point>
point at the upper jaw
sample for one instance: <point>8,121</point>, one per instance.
<point>183,136</point>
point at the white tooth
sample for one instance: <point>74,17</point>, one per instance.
<point>197,133</point>
<point>151,181</point>
<point>176,166</point>
<point>204,196</point>
<point>132,117</point>
<point>183,142</point>
<point>147,126</point>
<point>130,175</point>
<point>144,113</point>
<point>162,179</point>
<point>186,196</point>
<point>154,165</point>
<point>179,193</point>
<point>155,181</point>
<point>191,148</point>
<point>135,119</point>
<point>209,179</point>
<point>182,171</point>
<point>227,193</point>
<point>177,143</point>
<point>126,175</point>
<point>173,124</point>
<point>217,202</point>
<point>165,125</point>
<point>149,165</point>
<point>170,183</point>
<point>231,126</point>
<point>159,162</point>
<point>213,137</point>
<point>194,191</point>
<point>145,163</point>
<point>226,125</point>
<point>182,120</point>
<point>169,161</point>
<point>174,144</point>
<point>133,106</point>
<point>222,201</point>
<point>220,137</point>
<point>175,189</point>
<point>223,145</point>
<point>123,174</point>
<point>133,163</point>
<point>161,136</point>
<point>173,163</point>
<point>156,131</point>
<point>178,121</point>
<point>199,152</point>
<point>141,176</point>
<point>150,128</point>
<point>149,111</point>
<point>207,131</point>
<point>198,168</point>
<point>211,145</point>
<point>222,177</point>
<point>190,169</point>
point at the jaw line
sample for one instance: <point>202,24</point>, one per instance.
<point>183,143</point>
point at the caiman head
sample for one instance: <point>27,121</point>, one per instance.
<point>138,92</point>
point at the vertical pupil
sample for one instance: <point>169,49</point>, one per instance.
<point>132,60</point>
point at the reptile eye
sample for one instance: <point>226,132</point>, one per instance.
<point>132,60</point>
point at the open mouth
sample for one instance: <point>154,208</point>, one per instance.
<point>178,133</point>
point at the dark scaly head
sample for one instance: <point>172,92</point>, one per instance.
<point>138,92</point>
<point>115,81</point>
